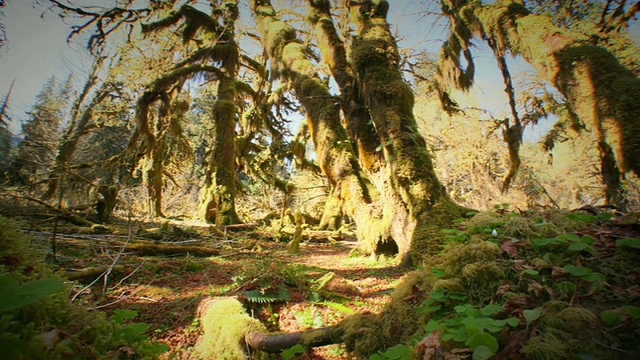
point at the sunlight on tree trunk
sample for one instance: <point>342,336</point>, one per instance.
<point>218,204</point>
<point>415,201</point>
<point>333,146</point>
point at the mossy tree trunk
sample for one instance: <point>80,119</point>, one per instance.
<point>358,120</point>
<point>602,92</point>
<point>218,203</point>
<point>335,154</point>
<point>398,204</point>
<point>154,171</point>
<point>416,201</point>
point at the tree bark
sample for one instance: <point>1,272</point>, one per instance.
<point>358,120</point>
<point>417,202</point>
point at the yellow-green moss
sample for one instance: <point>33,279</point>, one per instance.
<point>225,324</point>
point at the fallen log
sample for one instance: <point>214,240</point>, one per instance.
<point>90,272</point>
<point>148,249</point>
<point>275,343</point>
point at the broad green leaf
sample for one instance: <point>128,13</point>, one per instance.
<point>604,216</point>
<point>633,311</point>
<point>581,247</point>
<point>587,240</point>
<point>458,295</point>
<point>491,309</point>
<point>569,237</point>
<point>513,322</point>
<point>119,315</point>
<point>530,272</point>
<point>482,339</point>
<point>629,242</point>
<point>158,348</point>
<point>289,353</point>
<point>432,308</point>
<point>458,334</point>
<point>610,318</point>
<point>576,270</point>
<point>532,315</point>
<point>40,287</point>
<point>14,295</point>
<point>436,294</point>
<point>541,242</point>
<point>437,272</point>
<point>431,326</point>
<point>398,352</point>
<point>593,277</point>
<point>485,323</point>
<point>482,353</point>
<point>582,217</point>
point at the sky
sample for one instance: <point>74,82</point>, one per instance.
<point>37,48</point>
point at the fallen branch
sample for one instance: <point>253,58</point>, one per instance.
<point>162,249</point>
<point>275,343</point>
<point>63,213</point>
<point>90,272</point>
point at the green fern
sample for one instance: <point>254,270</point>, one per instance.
<point>339,307</point>
<point>263,296</point>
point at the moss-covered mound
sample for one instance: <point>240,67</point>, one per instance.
<point>511,285</point>
<point>37,320</point>
<point>225,323</point>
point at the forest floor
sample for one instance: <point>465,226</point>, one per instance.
<point>320,285</point>
<point>159,274</point>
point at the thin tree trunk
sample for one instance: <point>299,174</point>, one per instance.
<point>76,128</point>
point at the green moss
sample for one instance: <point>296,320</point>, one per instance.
<point>74,331</point>
<point>225,324</point>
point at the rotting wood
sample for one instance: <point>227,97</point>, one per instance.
<point>150,249</point>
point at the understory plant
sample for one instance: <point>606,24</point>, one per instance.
<point>509,284</point>
<point>37,320</point>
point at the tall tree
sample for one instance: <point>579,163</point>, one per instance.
<point>220,177</point>
<point>41,132</point>
<point>398,206</point>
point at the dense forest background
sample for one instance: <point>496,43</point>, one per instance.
<point>341,117</point>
